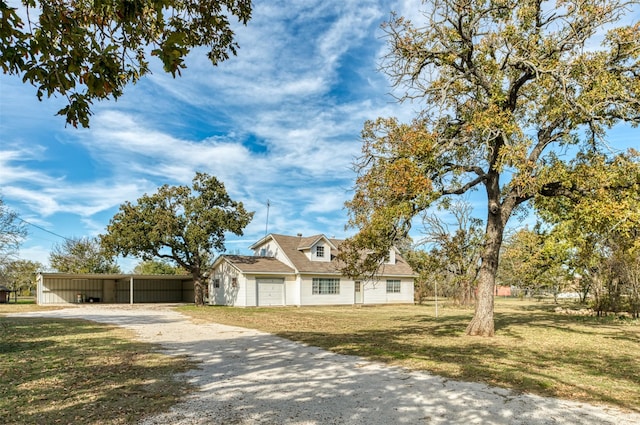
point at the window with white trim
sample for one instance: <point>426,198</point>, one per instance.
<point>323,286</point>
<point>393,286</point>
<point>216,283</point>
<point>320,251</point>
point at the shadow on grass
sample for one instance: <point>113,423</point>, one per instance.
<point>535,349</point>
<point>75,371</point>
<point>438,345</point>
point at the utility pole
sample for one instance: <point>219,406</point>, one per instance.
<point>266,226</point>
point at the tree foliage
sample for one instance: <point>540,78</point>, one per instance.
<point>504,86</point>
<point>20,275</point>
<point>82,255</point>
<point>90,50</point>
<point>180,224</point>
<point>12,231</point>
<point>453,251</point>
<point>157,267</point>
<point>602,227</point>
<point>536,261</point>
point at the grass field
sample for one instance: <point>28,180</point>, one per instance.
<point>74,371</point>
<point>535,350</point>
<point>80,372</point>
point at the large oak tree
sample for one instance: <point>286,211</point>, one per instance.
<point>180,224</point>
<point>90,50</point>
<point>504,87</point>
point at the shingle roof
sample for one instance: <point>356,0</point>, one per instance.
<point>251,264</point>
<point>291,245</point>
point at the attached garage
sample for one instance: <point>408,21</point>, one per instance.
<point>270,292</point>
<point>63,288</point>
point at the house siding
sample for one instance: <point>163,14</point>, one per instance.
<point>311,253</point>
<point>227,294</point>
<point>292,291</point>
<point>294,260</point>
<point>375,292</point>
<point>251,294</point>
<point>271,249</point>
<point>307,297</point>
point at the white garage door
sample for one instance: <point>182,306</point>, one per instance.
<point>270,292</point>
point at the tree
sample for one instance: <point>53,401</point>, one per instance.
<point>536,260</point>
<point>91,50</point>
<point>429,268</point>
<point>12,231</point>
<point>157,267</point>
<point>82,255</point>
<point>457,249</point>
<point>180,224</point>
<point>602,225</point>
<point>504,85</point>
<point>20,275</point>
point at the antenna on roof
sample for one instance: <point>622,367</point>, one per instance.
<point>266,226</point>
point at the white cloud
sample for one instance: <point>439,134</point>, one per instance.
<point>280,121</point>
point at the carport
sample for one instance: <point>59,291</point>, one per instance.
<point>67,288</point>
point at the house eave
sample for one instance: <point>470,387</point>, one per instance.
<point>261,241</point>
<point>315,241</point>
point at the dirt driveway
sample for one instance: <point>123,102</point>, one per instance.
<point>250,377</point>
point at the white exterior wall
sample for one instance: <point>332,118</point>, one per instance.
<point>307,297</point>
<point>227,294</point>
<point>292,291</point>
<point>251,291</point>
<point>271,249</point>
<point>372,293</point>
<point>298,289</point>
<point>392,256</point>
<point>311,253</point>
<point>375,292</point>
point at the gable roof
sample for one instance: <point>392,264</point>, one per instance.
<point>310,241</point>
<point>255,264</point>
<point>291,247</point>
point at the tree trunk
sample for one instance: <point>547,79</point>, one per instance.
<point>198,289</point>
<point>482,323</point>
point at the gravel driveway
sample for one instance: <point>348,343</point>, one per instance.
<point>250,377</point>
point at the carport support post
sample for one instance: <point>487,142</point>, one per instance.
<point>131,290</point>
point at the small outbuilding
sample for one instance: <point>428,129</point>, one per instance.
<point>5,294</point>
<point>69,288</point>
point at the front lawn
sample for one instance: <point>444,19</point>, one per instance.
<point>79,372</point>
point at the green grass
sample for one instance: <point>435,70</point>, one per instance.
<point>535,350</point>
<point>80,372</point>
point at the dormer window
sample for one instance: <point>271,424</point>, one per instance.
<point>320,251</point>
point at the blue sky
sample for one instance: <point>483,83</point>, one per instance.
<point>279,122</point>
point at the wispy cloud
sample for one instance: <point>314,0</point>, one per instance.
<point>279,121</point>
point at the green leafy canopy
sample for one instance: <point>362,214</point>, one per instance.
<point>90,50</point>
<point>178,223</point>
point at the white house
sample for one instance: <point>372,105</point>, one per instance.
<point>296,271</point>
